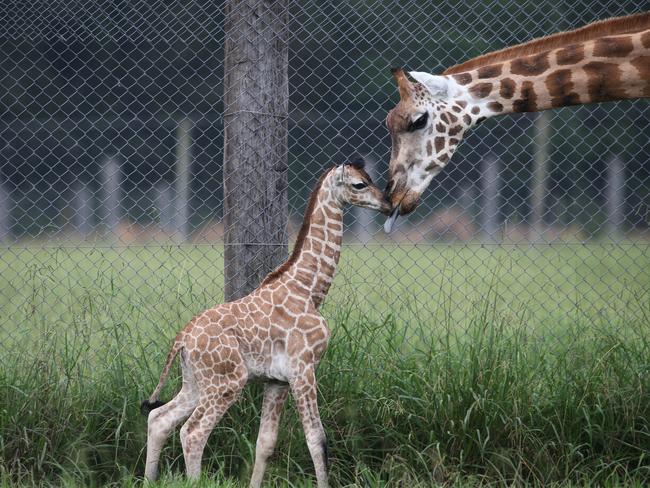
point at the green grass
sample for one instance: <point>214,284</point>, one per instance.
<point>477,365</point>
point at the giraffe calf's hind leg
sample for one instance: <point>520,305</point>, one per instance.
<point>164,419</point>
<point>217,393</point>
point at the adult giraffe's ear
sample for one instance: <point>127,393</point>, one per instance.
<point>403,84</point>
<point>438,86</point>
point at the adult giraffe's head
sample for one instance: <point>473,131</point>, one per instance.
<point>607,60</point>
<point>425,127</point>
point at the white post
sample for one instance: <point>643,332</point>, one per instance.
<point>81,206</point>
<point>540,173</point>
<point>165,206</point>
<point>491,185</point>
<point>183,136</point>
<point>615,197</point>
<point>111,182</point>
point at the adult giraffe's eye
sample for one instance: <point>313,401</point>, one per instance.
<point>359,186</point>
<point>419,123</point>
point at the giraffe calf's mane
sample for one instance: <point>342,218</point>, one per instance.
<point>610,27</point>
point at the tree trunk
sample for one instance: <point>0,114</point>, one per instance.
<point>256,99</point>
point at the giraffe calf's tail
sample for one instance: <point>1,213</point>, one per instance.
<point>152,403</point>
<point>146,406</point>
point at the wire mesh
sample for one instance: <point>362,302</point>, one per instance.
<point>111,177</point>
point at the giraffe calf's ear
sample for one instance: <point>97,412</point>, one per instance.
<point>338,174</point>
<point>437,85</point>
<point>358,163</point>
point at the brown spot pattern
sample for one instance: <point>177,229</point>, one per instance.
<point>463,78</point>
<point>440,127</point>
<point>613,47</point>
<point>528,100</point>
<point>455,130</point>
<point>603,81</point>
<point>467,119</point>
<point>530,65</point>
<point>429,148</point>
<point>476,110</point>
<point>642,64</point>
<point>491,71</point>
<point>560,88</point>
<point>481,90</point>
<point>570,54</point>
<point>439,143</point>
<point>495,106</point>
<point>507,88</point>
<point>645,39</point>
<point>432,165</point>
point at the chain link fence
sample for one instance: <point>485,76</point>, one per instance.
<point>112,183</point>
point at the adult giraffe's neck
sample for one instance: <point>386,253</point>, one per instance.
<point>598,70</point>
<point>310,269</point>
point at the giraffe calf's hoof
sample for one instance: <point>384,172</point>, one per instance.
<point>146,406</point>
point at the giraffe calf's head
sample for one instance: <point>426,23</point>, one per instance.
<point>425,127</point>
<point>355,187</point>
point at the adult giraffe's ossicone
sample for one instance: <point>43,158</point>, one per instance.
<point>604,61</point>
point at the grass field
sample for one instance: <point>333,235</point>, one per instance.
<point>466,363</point>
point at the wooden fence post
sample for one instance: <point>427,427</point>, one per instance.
<point>256,100</point>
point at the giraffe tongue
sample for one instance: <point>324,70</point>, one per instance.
<point>390,221</point>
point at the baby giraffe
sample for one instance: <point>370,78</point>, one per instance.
<point>275,333</point>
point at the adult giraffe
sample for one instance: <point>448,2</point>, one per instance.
<point>604,61</point>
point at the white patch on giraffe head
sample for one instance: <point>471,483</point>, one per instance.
<point>438,86</point>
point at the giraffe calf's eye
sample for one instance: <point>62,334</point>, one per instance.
<point>359,186</point>
<point>419,123</point>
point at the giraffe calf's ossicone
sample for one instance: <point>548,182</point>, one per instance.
<point>275,333</point>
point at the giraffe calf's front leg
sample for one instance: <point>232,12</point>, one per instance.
<point>305,395</point>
